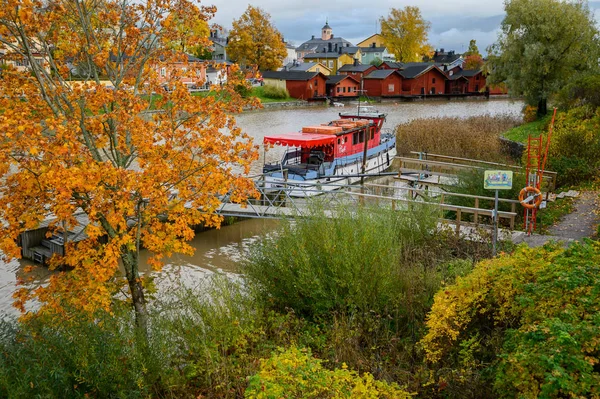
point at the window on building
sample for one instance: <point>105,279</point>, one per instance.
<point>23,62</point>
<point>391,87</point>
<point>339,89</point>
<point>343,89</point>
<point>318,69</point>
<point>330,63</point>
<point>372,133</point>
<point>316,82</point>
<point>355,138</point>
<point>361,136</point>
<point>163,71</point>
<point>433,80</point>
<point>477,77</point>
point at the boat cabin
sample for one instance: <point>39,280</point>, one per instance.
<point>324,146</point>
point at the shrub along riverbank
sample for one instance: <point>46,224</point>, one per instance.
<point>354,291</point>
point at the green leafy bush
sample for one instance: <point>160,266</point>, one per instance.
<point>76,358</point>
<point>318,264</point>
<point>575,146</point>
<point>295,373</point>
<point>272,91</point>
<point>527,323</point>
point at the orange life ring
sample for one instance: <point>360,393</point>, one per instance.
<point>537,197</point>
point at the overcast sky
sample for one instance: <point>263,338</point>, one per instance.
<point>453,22</point>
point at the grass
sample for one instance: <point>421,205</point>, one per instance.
<point>259,92</point>
<point>535,128</point>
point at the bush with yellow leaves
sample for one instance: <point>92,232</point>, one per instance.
<point>529,323</point>
<point>294,373</point>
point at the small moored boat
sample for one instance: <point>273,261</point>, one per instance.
<point>329,156</point>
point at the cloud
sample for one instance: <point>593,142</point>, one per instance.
<point>453,22</point>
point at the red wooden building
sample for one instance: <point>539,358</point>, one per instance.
<point>477,81</point>
<point>383,83</point>
<point>457,84</point>
<point>342,86</point>
<point>357,71</point>
<point>391,65</point>
<point>423,79</point>
<point>301,85</point>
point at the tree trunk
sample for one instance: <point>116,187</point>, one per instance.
<point>130,263</point>
<point>542,109</point>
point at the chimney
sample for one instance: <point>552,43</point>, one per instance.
<point>331,36</point>
<point>442,50</point>
<point>436,53</point>
<point>313,37</point>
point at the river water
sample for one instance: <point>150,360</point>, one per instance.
<point>221,250</point>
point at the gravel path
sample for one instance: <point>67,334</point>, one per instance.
<point>583,221</point>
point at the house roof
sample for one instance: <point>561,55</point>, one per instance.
<point>318,44</point>
<point>469,73</point>
<point>380,74</point>
<point>394,65</point>
<point>290,75</point>
<point>350,50</point>
<point>445,57</point>
<point>335,79</point>
<point>355,68</point>
<point>373,49</point>
<point>331,55</point>
<point>303,66</point>
<point>417,70</point>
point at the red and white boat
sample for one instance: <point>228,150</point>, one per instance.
<point>331,155</point>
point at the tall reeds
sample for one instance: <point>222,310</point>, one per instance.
<point>476,137</point>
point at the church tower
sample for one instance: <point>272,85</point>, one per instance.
<point>326,31</point>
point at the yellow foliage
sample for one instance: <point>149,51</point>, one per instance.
<point>405,32</point>
<point>255,42</point>
<point>294,373</point>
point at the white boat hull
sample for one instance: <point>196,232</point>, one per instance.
<point>344,175</point>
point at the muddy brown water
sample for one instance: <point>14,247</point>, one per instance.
<point>221,250</point>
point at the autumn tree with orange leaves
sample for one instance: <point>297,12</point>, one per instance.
<point>255,42</point>
<point>142,179</point>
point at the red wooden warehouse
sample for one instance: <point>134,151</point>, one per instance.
<point>383,83</point>
<point>357,71</point>
<point>302,85</point>
<point>423,79</point>
<point>342,86</point>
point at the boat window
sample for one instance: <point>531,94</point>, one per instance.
<point>355,138</point>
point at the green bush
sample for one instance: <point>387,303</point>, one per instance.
<point>318,264</point>
<point>76,358</point>
<point>575,146</point>
<point>296,374</point>
<point>275,92</point>
<point>528,323</point>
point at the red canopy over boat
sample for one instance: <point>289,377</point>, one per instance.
<point>306,140</point>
